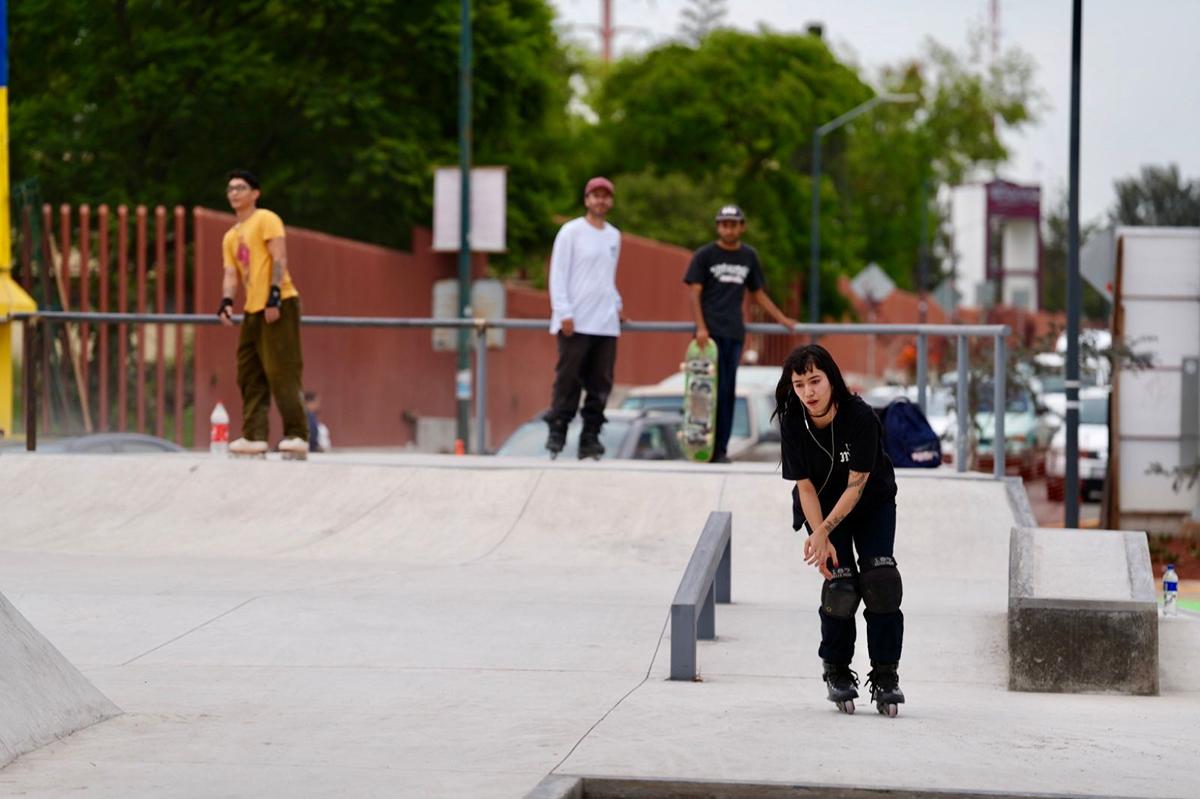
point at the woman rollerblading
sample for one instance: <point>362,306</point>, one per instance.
<point>845,493</point>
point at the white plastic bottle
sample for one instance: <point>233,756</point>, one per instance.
<point>218,443</point>
<point>1170,590</point>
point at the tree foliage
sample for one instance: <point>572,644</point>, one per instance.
<point>343,108</point>
<point>732,119</point>
<point>1159,196</point>
<point>700,18</point>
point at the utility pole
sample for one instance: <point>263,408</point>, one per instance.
<point>607,33</point>
<point>1071,517</point>
<point>462,381</point>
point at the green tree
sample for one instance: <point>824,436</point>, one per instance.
<point>700,18</point>
<point>343,108</point>
<point>899,155</point>
<point>733,119</point>
<point>1159,196</point>
<point>734,115</point>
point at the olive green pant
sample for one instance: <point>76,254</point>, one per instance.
<point>270,364</point>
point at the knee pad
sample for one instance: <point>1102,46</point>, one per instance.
<point>839,597</point>
<point>881,586</point>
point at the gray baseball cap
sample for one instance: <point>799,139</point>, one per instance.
<point>730,212</point>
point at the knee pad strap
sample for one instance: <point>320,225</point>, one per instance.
<point>882,589</point>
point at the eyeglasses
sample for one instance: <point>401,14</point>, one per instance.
<point>237,188</point>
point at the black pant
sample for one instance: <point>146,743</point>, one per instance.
<point>585,363</point>
<point>729,354</point>
<point>874,535</point>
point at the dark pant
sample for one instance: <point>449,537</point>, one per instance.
<point>585,363</point>
<point>729,355</point>
<point>873,535</point>
<point>270,364</point>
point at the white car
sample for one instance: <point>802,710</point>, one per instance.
<point>1093,448</point>
<point>755,437</point>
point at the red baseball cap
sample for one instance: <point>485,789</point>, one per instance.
<point>598,183</point>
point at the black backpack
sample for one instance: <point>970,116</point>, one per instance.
<point>908,439</point>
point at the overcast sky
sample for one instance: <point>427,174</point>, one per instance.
<point>1140,78</point>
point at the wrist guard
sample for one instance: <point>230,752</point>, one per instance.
<point>273,297</point>
<point>226,309</point>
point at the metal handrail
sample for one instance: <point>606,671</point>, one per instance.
<point>706,581</point>
<point>481,326</point>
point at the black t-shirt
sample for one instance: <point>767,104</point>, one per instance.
<point>856,438</point>
<point>725,276</point>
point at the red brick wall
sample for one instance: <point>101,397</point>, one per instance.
<point>373,381</point>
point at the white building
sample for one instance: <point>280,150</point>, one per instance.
<point>995,229</point>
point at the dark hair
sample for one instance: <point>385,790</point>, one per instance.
<point>805,359</point>
<point>244,174</point>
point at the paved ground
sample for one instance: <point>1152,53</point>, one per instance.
<point>428,627</point>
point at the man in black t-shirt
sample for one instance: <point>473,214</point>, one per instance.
<point>719,275</point>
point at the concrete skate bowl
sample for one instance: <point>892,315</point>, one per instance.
<point>43,697</point>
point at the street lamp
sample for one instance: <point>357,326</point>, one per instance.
<point>814,272</point>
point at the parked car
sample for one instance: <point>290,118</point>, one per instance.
<point>1093,448</point>
<point>101,444</point>
<point>651,435</point>
<point>755,437</point>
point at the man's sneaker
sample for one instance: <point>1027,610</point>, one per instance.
<point>589,444</point>
<point>557,439</point>
<point>720,457</point>
<point>245,448</point>
<point>293,449</point>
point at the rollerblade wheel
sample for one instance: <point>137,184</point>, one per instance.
<point>889,709</point>
<point>846,707</point>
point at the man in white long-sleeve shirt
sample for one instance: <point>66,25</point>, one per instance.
<point>585,318</point>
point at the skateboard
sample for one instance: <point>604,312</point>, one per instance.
<point>698,431</point>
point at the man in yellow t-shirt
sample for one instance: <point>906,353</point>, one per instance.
<point>269,360</point>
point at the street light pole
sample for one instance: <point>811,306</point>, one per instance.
<point>1071,477</point>
<point>814,270</point>
<point>462,391</point>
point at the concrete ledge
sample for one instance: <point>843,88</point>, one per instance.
<point>1082,613</point>
<point>567,787</point>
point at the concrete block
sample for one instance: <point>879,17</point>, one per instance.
<point>1082,613</point>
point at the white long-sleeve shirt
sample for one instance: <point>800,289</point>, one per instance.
<point>583,278</point>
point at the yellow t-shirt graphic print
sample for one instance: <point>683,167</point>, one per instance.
<point>245,249</point>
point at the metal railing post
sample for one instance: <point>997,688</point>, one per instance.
<point>960,457</point>
<point>922,369</point>
<point>480,442</point>
<point>31,367</point>
<point>999,405</point>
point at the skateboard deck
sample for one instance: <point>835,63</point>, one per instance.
<point>698,432</point>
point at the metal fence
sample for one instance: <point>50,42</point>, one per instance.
<point>480,327</point>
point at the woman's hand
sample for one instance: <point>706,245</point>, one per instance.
<point>819,550</point>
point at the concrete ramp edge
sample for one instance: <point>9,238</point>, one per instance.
<point>44,697</point>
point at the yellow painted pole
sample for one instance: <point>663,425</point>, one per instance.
<point>13,298</point>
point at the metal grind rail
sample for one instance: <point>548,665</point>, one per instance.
<point>706,582</point>
<point>960,333</point>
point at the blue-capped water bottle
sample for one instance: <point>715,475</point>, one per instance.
<point>1170,590</point>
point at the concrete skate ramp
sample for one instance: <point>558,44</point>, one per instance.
<point>444,627</point>
<point>42,696</point>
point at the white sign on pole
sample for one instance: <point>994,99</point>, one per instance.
<point>487,302</point>
<point>488,209</point>
<point>872,284</point>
